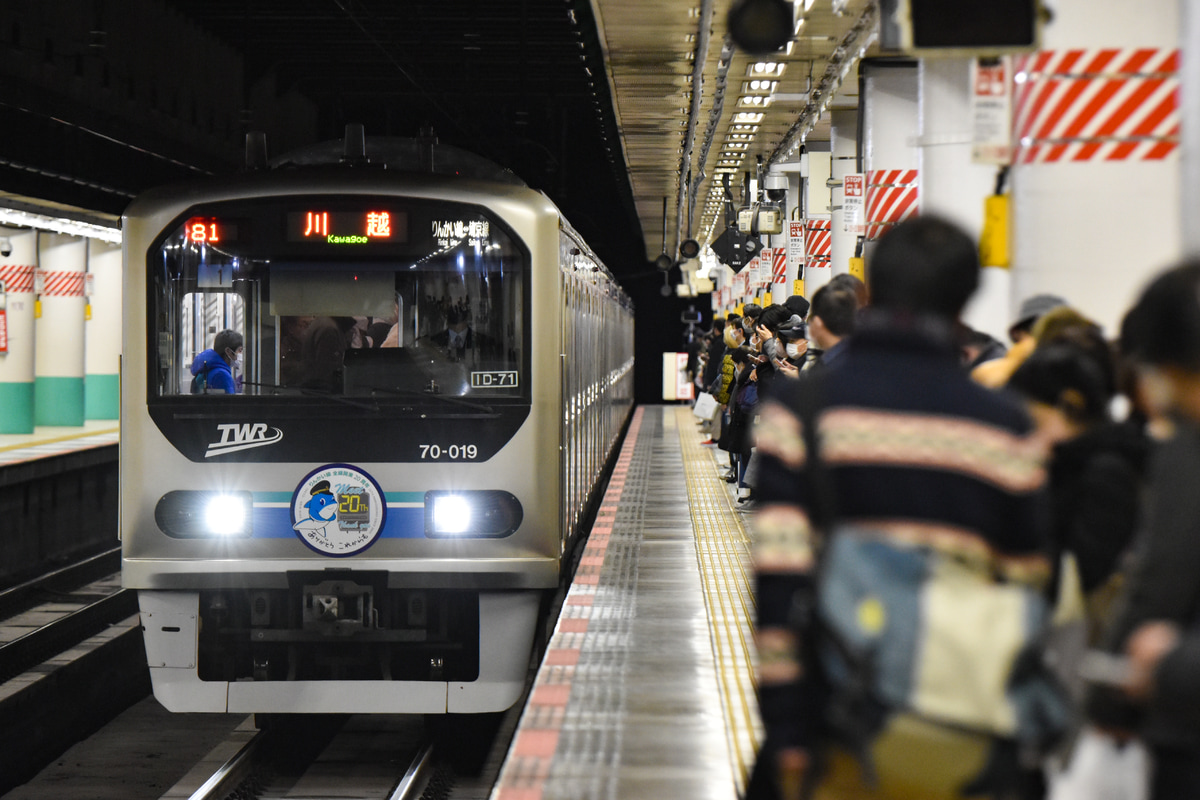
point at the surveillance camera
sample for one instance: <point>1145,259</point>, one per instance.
<point>776,185</point>
<point>5,247</point>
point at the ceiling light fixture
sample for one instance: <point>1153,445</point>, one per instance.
<point>70,227</point>
<point>766,69</point>
<point>758,85</point>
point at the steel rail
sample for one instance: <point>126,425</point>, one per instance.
<point>414,780</point>
<point>60,580</point>
<point>56,637</point>
<point>227,777</point>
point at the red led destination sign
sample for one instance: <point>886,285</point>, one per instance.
<point>209,230</point>
<point>347,227</point>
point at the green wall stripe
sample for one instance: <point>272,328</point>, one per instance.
<point>102,396</point>
<point>16,408</point>
<point>58,401</point>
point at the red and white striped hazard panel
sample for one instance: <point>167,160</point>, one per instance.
<point>17,278</point>
<point>779,265</point>
<point>1096,105</point>
<point>891,198</point>
<point>818,243</point>
<point>62,284</point>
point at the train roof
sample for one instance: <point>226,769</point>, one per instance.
<point>424,155</point>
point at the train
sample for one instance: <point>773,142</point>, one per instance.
<point>432,371</point>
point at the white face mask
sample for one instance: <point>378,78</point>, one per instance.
<point>793,350</point>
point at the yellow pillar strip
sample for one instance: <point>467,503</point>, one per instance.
<point>993,241</point>
<point>723,552</point>
<point>857,268</point>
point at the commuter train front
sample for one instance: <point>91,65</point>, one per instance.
<point>371,523</point>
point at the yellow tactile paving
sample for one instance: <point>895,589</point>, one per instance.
<point>723,550</point>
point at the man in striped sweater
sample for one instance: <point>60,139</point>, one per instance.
<point>911,448</point>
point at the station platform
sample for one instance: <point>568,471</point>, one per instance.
<point>59,497</point>
<point>49,441</point>
<point>647,688</point>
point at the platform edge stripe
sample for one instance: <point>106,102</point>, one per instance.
<point>515,782</point>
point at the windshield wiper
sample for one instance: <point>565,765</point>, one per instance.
<point>428,395</point>
<point>322,393</point>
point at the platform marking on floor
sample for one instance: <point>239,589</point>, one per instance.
<point>532,752</point>
<point>723,550</point>
<point>34,448</point>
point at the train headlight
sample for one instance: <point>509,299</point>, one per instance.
<point>451,514</point>
<point>205,515</point>
<point>471,514</point>
<point>225,515</point>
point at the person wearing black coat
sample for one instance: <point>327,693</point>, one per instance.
<point>1096,466</point>
<point>1158,627</point>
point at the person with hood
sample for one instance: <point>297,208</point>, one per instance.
<point>212,370</point>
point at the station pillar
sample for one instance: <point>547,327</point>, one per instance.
<point>817,204</point>
<point>890,157</point>
<point>952,185</point>
<point>16,331</point>
<point>1096,166</point>
<point>101,385</point>
<point>843,139</point>
<point>59,361</point>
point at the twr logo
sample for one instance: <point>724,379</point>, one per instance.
<point>235,436</point>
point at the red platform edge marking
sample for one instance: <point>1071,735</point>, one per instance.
<point>528,766</point>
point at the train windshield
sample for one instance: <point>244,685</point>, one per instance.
<point>341,298</point>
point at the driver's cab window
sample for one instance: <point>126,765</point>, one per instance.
<point>440,311</point>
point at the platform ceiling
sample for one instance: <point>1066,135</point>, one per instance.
<point>588,100</point>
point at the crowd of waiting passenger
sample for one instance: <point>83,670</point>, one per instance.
<point>923,496</point>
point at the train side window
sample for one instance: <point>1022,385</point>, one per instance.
<point>201,316</point>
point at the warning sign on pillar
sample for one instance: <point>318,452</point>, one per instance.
<point>763,266</point>
<point>795,246</point>
<point>991,111</point>
<point>3,318</point>
<point>854,192</point>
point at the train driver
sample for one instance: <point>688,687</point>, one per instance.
<point>212,370</point>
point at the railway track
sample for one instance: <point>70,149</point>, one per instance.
<point>360,757</point>
<point>71,658</point>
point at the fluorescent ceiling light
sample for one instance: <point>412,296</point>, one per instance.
<point>759,85</point>
<point>766,69</point>
<point>25,219</point>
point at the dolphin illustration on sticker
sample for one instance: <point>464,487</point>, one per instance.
<point>338,510</point>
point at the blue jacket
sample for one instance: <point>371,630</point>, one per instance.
<point>217,374</point>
